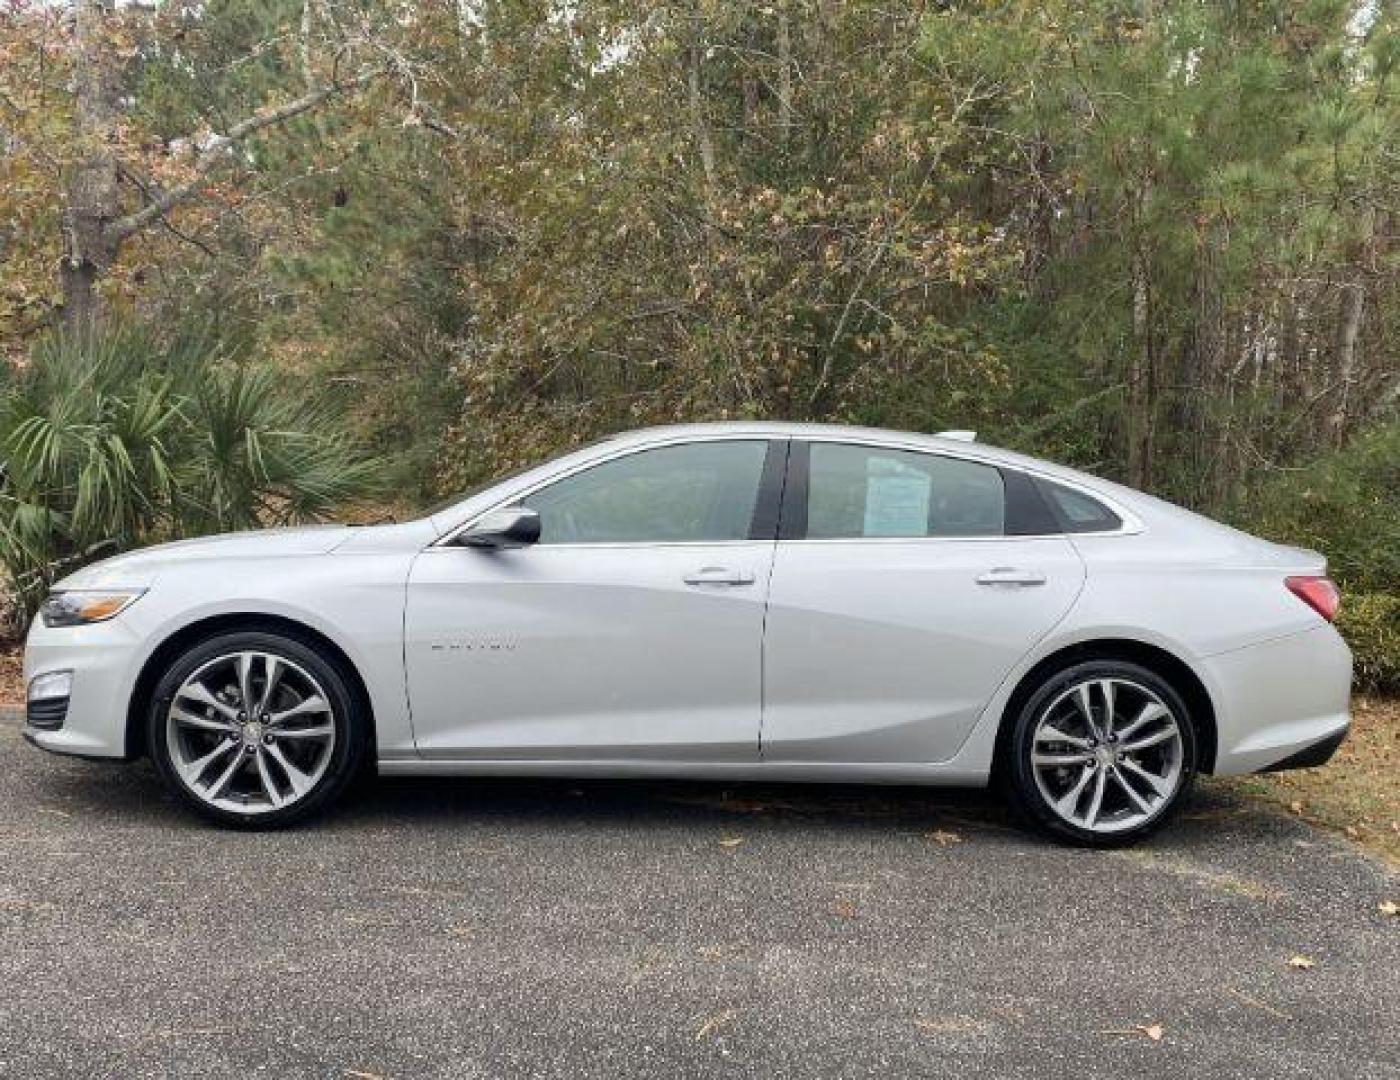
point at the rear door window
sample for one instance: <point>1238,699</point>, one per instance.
<point>870,491</point>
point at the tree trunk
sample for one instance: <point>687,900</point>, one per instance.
<point>1040,228</point>
<point>784,79</point>
<point>308,23</point>
<point>92,187</point>
<point>1353,306</point>
<point>700,127</point>
<point>1350,370</point>
<point>750,93</point>
<point>470,24</point>
<point>81,304</point>
<point>1140,380</point>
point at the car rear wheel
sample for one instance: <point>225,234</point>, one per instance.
<point>256,729</point>
<point>1102,753</point>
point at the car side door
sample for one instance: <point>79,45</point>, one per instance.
<point>631,629</point>
<point>906,585</point>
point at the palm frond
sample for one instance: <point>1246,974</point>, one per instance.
<point>118,437</point>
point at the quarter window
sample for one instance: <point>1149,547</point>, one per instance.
<point>694,492</point>
<point>1079,513</point>
<point>866,491</point>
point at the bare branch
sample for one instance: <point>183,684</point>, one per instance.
<point>214,153</point>
<point>884,245</point>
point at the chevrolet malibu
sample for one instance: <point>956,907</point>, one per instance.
<point>724,602</point>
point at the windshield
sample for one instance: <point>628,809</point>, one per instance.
<point>462,496</point>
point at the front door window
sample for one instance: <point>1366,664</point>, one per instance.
<point>703,492</point>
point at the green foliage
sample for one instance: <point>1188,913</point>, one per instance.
<point>1193,184</point>
<point>1346,504</point>
<point>1152,240</point>
<point>1370,622</point>
<point>258,453</point>
<point>119,438</point>
<point>755,213</point>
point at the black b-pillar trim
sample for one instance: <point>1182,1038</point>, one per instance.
<point>768,509</point>
<point>792,523</point>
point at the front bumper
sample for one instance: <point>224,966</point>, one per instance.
<point>1281,704</point>
<point>105,660</point>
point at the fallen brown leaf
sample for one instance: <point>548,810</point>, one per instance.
<point>1255,1003</point>
<point>942,837</point>
<point>951,1025</point>
<point>1150,1031</point>
<point>1388,907</point>
<point>714,1023</point>
<point>1301,962</point>
<point>845,909</point>
<point>1356,796</point>
<point>731,841</point>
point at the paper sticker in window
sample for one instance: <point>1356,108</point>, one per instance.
<point>896,499</point>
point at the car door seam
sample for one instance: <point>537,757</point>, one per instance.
<point>403,653</point>
<point>768,597</point>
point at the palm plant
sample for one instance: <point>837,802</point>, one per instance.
<point>116,438</point>
<point>262,455</point>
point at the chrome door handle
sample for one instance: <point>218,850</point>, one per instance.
<point>718,575</point>
<point>1011,577</point>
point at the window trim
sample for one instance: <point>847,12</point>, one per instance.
<point>772,480</point>
<point>793,518</point>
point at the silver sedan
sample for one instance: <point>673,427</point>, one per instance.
<point>736,601</point>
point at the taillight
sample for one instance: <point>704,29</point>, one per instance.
<point>1318,593</point>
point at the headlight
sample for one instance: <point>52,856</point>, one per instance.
<point>79,607</point>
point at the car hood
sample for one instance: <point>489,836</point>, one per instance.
<point>139,568</point>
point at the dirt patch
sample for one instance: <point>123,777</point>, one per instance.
<point>1357,793</point>
<point>1215,880</point>
<point>11,680</point>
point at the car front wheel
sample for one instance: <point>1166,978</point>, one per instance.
<point>256,729</point>
<point>1102,753</point>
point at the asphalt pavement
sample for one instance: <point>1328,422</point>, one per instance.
<point>461,928</point>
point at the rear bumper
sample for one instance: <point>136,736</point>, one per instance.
<point>1281,704</point>
<point>1319,753</point>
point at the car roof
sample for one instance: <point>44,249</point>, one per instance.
<point>961,445</point>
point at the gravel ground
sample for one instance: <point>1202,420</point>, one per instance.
<point>523,928</point>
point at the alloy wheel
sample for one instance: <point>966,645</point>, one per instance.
<point>1107,755</point>
<point>250,732</point>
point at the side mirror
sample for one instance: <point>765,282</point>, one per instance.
<point>512,527</point>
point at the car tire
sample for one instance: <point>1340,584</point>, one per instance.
<point>1073,777</point>
<point>280,761</point>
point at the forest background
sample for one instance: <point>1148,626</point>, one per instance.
<point>267,260</point>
